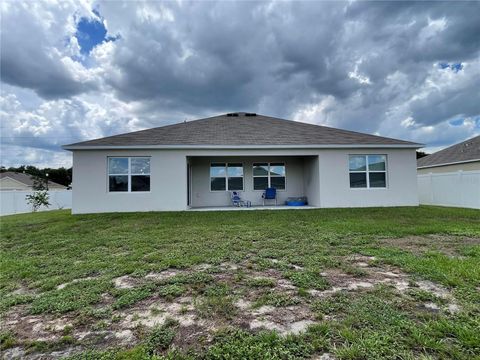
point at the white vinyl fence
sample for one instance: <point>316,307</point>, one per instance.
<point>461,189</point>
<point>14,202</point>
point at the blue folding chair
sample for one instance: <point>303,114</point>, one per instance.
<point>270,194</point>
<point>236,199</point>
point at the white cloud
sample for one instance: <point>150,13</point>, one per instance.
<point>432,29</point>
<point>42,131</point>
<point>355,74</point>
<point>37,42</point>
<point>13,155</point>
<point>317,113</point>
<point>354,65</point>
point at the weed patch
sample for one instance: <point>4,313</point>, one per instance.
<point>7,340</point>
<point>160,338</point>
<point>221,306</point>
<point>172,291</point>
<point>261,282</point>
<point>74,297</point>
<point>307,279</point>
<point>266,345</point>
<point>277,299</point>
<point>129,297</point>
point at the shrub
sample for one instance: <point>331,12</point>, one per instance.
<point>38,199</point>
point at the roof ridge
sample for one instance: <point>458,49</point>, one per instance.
<point>336,129</point>
<point>242,130</point>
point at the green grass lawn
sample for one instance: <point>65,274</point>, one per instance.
<point>399,283</point>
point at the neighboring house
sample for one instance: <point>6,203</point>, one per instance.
<point>198,163</point>
<point>451,177</point>
<point>464,156</point>
<point>20,181</point>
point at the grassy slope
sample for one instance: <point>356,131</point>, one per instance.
<point>43,250</point>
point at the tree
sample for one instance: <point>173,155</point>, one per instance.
<point>40,196</point>
<point>37,199</point>
<point>39,184</point>
<point>421,154</point>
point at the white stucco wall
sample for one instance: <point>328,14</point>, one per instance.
<point>325,181</point>
<point>168,190</point>
<point>335,188</point>
<point>311,180</point>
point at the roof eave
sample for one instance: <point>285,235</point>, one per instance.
<point>446,164</point>
<point>230,147</point>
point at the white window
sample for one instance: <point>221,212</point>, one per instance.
<point>267,175</point>
<point>368,171</point>
<point>128,174</point>
<point>226,176</point>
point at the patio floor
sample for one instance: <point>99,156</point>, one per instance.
<point>255,207</point>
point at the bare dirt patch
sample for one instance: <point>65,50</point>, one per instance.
<point>285,320</point>
<point>435,289</point>
<point>375,274</point>
<point>446,244</point>
<point>201,267</point>
<point>130,282</point>
<point>24,290</point>
<point>20,353</point>
<point>151,314</point>
<point>229,266</point>
<point>126,282</point>
<point>194,328</point>
<point>64,285</point>
<point>163,275</point>
<point>325,356</point>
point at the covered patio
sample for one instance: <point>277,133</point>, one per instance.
<point>211,180</point>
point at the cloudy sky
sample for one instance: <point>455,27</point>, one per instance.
<point>78,70</point>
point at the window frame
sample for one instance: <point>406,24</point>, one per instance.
<point>129,174</point>
<point>226,175</point>
<point>268,176</point>
<point>367,172</point>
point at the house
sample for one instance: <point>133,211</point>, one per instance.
<point>451,177</point>
<point>464,156</point>
<point>10,180</point>
<point>198,163</point>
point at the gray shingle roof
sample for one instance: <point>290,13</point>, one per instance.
<point>25,179</point>
<point>468,150</point>
<point>242,129</point>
